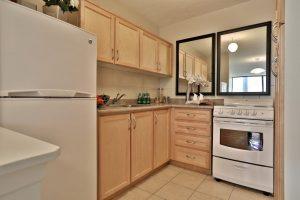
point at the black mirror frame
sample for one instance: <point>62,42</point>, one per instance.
<point>178,42</point>
<point>268,25</point>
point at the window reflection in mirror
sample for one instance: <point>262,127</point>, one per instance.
<point>243,55</point>
<point>195,57</point>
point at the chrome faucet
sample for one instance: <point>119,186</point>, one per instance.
<point>117,98</point>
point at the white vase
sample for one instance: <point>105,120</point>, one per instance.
<point>56,11</point>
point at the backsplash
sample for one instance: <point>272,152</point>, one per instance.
<point>110,81</point>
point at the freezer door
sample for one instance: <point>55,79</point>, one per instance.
<point>69,124</point>
<point>40,52</point>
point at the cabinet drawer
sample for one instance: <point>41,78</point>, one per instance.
<point>193,157</point>
<point>202,129</point>
<point>193,115</point>
<point>201,143</point>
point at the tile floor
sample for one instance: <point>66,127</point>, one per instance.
<point>173,183</point>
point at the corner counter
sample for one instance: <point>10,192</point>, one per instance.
<point>119,110</point>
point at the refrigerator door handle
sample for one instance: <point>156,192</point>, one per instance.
<point>45,93</point>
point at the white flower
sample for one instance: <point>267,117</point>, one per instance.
<point>74,3</point>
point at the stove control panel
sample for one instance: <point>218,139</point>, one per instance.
<point>244,112</point>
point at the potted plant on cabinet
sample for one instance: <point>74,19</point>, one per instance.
<point>62,9</point>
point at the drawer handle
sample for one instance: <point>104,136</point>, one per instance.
<point>190,115</point>
<point>190,128</point>
<point>190,157</point>
<point>190,142</point>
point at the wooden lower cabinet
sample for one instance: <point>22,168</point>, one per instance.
<point>141,144</point>
<point>114,152</point>
<point>161,137</point>
<point>133,145</point>
<point>192,137</point>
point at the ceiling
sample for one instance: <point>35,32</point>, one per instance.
<point>166,12</point>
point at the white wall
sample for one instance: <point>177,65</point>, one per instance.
<point>292,100</point>
<point>248,13</point>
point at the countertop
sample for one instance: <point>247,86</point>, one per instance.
<point>118,109</point>
<point>18,151</point>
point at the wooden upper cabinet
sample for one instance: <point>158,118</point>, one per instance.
<point>189,64</point>
<point>114,152</point>
<point>181,64</point>
<point>149,52</point>
<point>102,24</point>
<point>161,137</point>
<point>141,144</point>
<point>164,58</point>
<point>127,44</point>
<point>204,71</point>
<point>123,43</point>
<point>198,67</point>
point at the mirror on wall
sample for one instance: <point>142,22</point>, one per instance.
<point>244,60</point>
<point>195,57</point>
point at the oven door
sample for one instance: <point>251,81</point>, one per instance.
<point>248,141</point>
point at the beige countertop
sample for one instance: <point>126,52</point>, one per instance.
<point>119,109</point>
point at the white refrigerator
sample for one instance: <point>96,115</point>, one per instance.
<point>47,91</point>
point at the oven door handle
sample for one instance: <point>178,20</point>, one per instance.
<point>240,167</point>
<point>244,123</point>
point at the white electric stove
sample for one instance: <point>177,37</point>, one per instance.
<point>243,145</point>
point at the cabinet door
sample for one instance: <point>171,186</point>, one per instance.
<point>204,71</point>
<point>164,58</point>
<point>161,137</point>
<point>198,67</point>
<point>141,144</point>
<point>127,44</point>
<point>182,71</point>
<point>114,147</point>
<point>189,64</point>
<point>101,23</point>
<point>149,50</point>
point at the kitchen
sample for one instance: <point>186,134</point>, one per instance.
<point>152,100</point>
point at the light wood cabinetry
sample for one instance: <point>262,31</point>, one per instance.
<point>189,64</point>
<point>191,137</point>
<point>190,156</point>
<point>114,153</point>
<point>127,44</point>
<point>204,71</point>
<point>198,67</point>
<point>141,144</point>
<point>102,24</point>
<point>182,71</point>
<point>164,58</point>
<point>123,43</point>
<point>161,137</point>
<point>133,145</point>
<point>149,52</point>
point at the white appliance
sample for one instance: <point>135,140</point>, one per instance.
<point>243,145</point>
<point>22,165</point>
<point>48,89</point>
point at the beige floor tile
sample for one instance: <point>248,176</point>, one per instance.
<point>211,187</point>
<point>172,191</point>
<point>135,194</point>
<point>240,193</point>
<point>152,184</point>
<point>168,173</point>
<point>154,197</point>
<point>189,180</point>
<point>193,173</point>
<point>201,196</point>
